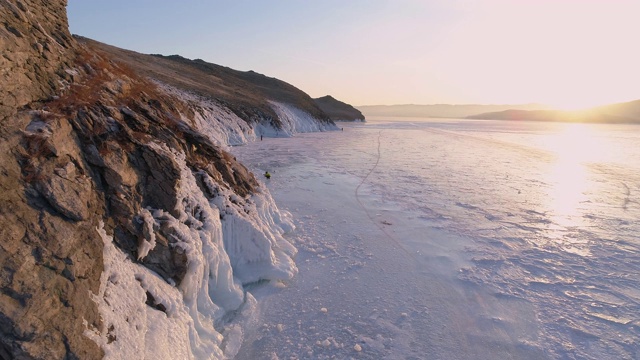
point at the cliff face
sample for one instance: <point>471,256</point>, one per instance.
<point>50,262</point>
<point>337,110</point>
<point>126,228</point>
<point>35,44</point>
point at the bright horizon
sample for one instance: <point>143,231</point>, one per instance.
<point>566,53</point>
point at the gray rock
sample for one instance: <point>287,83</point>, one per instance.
<point>41,308</point>
<point>67,192</point>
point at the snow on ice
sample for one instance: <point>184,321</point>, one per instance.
<point>507,256</point>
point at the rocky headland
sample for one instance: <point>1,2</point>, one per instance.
<point>126,227</point>
<point>338,110</point>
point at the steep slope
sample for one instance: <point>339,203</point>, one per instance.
<point>127,230</point>
<point>337,110</point>
<point>49,264</point>
<point>247,94</point>
<point>34,43</point>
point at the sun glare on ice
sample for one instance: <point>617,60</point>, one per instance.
<point>574,147</point>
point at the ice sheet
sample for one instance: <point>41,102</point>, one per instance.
<point>483,240</point>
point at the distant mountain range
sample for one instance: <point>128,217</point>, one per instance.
<point>442,110</point>
<point>627,112</point>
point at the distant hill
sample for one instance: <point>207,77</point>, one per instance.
<point>627,112</point>
<point>337,110</point>
<point>442,110</point>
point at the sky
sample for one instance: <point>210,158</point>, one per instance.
<point>565,53</point>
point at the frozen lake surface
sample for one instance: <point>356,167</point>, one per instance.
<point>454,240</point>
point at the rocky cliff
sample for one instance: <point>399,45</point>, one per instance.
<point>337,110</point>
<point>126,227</point>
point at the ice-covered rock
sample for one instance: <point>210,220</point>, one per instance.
<point>213,120</point>
<point>249,237</point>
<point>293,121</point>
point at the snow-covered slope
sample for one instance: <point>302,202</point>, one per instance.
<point>228,241</point>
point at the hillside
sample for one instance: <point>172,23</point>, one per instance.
<point>127,229</point>
<point>247,94</point>
<point>337,110</point>
<point>628,112</point>
<point>441,110</point>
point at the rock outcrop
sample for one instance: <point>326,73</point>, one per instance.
<point>337,110</point>
<point>120,211</point>
<point>35,44</point>
<point>51,259</point>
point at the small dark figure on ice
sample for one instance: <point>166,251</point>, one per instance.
<point>267,175</point>
<point>260,137</point>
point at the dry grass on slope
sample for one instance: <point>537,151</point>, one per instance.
<point>245,93</point>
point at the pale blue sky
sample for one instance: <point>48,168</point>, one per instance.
<point>568,53</point>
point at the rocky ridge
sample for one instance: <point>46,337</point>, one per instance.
<point>108,178</point>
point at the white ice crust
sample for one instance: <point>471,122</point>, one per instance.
<point>228,241</point>
<point>213,120</point>
<point>294,120</point>
<point>225,128</point>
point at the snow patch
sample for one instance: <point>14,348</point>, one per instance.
<point>132,329</point>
